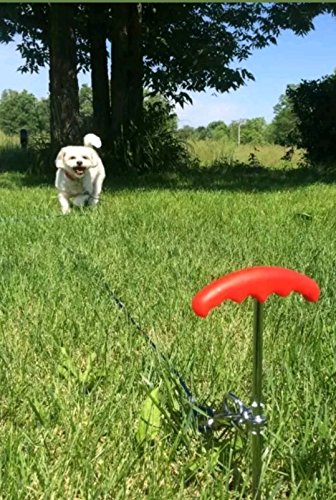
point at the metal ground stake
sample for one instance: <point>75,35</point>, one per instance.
<point>258,282</point>
<point>258,419</point>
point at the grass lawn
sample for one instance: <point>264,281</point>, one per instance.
<point>75,373</point>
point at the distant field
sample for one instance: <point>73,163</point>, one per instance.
<point>210,151</point>
<point>7,141</point>
<point>74,372</point>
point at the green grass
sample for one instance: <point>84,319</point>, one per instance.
<point>74,372</point>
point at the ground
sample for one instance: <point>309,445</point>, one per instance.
<point>75,372</point>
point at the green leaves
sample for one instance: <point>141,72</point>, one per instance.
<point>22,110</point>
<point>313,103</point>
<point>284,126</point>
<point>150,417</point>
<point>197,46</point>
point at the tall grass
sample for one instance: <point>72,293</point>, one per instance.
<point>270,155</point>
<point>8,141</point>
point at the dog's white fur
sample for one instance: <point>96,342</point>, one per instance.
<point>80,174</point>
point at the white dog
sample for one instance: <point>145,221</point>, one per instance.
<point>80,174</point>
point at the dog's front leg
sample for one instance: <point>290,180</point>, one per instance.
<point>97,188</point>
<point>64,202</point>
<point>81,200</point>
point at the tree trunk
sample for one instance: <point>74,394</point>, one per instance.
<point>119,73</point>
<point>63,82</point>
<point>135,68</point>
<point>99,70</point>
<point>127,77</point>
<point>135,79</point>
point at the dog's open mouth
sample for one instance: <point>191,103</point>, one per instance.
<point>79,170</point>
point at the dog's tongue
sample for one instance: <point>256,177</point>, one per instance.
<point>79,170</point>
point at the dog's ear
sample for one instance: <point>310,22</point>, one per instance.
<point>59,162</point>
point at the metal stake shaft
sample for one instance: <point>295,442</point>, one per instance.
<point>258,419</point>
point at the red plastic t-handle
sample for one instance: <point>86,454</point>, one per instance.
<point>258,282</point>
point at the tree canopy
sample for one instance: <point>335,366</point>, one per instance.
<point>188,47</point>
<point>168,50</point>
<point>192,47</point>
<point>23,110</point>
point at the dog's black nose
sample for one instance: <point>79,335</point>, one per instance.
<point>79,163</point>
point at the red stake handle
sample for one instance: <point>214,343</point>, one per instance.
<point>258,282</point>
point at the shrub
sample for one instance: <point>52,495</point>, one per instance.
<point>157,146</point>
<point>314,104</point>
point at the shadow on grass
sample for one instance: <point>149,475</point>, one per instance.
<point>235,178</point>
<point>23,168</point>
<point>18,168</point>
<point>312,463</point>
<point>242,177</point>
<point>309,463</point>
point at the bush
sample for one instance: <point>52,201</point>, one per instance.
<point>157,146</point>
<point>314,104</point>
<point>162,148</point>
<point>284,128</point>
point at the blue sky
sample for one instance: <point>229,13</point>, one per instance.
<point>290,61</point>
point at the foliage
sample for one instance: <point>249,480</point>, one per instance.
<point>201,133</point>
<point>31,22</point>
<point>314,104</point>
<point>186,132</point>
<point>190,47</point>
<point>252,131</point>
<point>218,130</point>
<point>150,418</point>
<point>23,110</point>
<point>162,147</point>
<point>85,108</point>
<point>284,129</point>
<point>199,46</point>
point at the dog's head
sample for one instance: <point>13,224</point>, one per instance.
<point>76,160</point>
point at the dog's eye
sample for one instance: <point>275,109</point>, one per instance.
<point>72,157</point>
<point>85,157</point>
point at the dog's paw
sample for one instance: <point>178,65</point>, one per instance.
<point>92,201</point>
<point>81,200</point>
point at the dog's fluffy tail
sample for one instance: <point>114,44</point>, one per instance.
<point>92,140</point>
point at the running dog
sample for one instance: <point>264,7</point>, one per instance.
<point>80,174</point>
